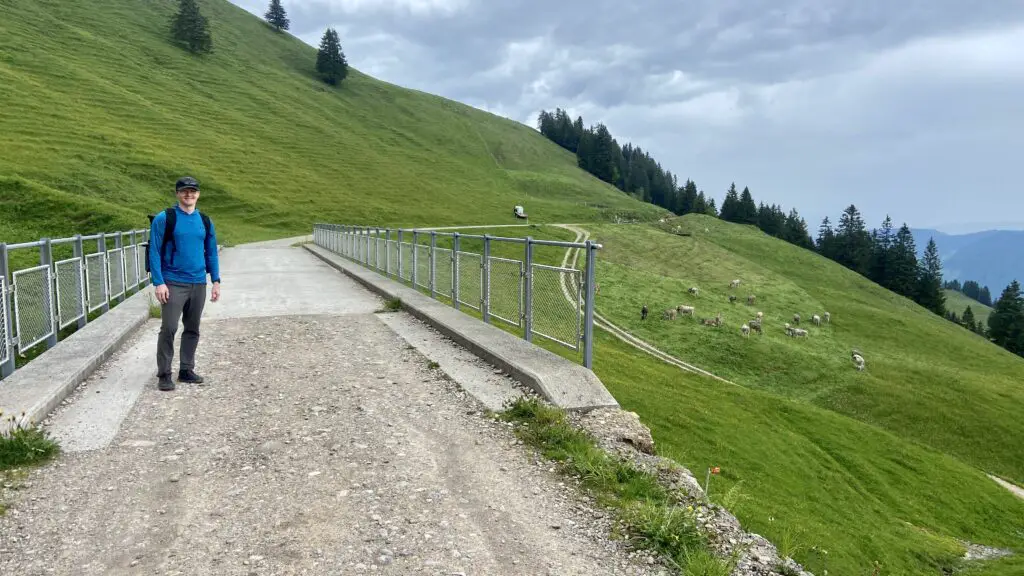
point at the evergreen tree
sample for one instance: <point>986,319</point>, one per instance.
<point>276,16</point>
<point>826,239</point>
<point>689,199</point>
<point>1006,322</point>
<point>968,319</point>
<point>700,205</point>
<point>796,231</point>
<point>189,28</point>
<point>710,208</point>
<point>881,254</point>
<point>731,205</point>
<point>747,210</point>
<point>985,297</point>
<point>330,60</point>
<point>853,241</point>
<point>903,260</point>
<point>952,285</point>
<point>929,284</point>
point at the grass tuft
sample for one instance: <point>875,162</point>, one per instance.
<point>24,444</point>
<point>652,516</point>
<point>391,305</point>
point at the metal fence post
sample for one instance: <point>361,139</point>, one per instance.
<point>119,243</point>
<point>398,274</point>
<point>485,280</point>
<point>455,270</point>
<point>80,253</point>
<point>415,257</point>
<point>528,303</point>
<point>46,257</point>
<point>132,242</point>
<point>588,313</point>
<point>367,259</point>
<point>433,263</point>
<point>7,368</point>
<point>101,244</point>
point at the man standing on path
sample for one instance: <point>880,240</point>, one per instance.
<point>179,264</point>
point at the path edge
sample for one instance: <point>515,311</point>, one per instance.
<point>563,383</point>
<point>41,385</point>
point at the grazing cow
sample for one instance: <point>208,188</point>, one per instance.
<point>760,315</point>
<point>732,299</point>
<point>683,309</point>
<point>734,283</point>
<point>828,317</point>
<point>745,329</point>
<point>750,300</point>
<point>643,313</point>
<point>693,290</point>
<point>858,360</point>
<point>816,320</point>
<point>755,325</point>
<point>796,318</point>
<point>669,314</point>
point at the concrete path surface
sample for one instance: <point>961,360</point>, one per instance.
<point>322,442</point>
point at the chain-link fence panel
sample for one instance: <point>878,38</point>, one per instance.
<point>471,280</point>
<point>131,266</point>
<point>443,272</point>
<point>70,291</point>
<point>505,290</point>
<point>556,314</point>
<point>95,281</point>
<point>379,247</point>
<point>423,266</point>
<point>115,272</point>
<point>5,336</point>
<point>406,261</point>
<point>392,258</point>
<point>33,305</point>
<point>140,258</point>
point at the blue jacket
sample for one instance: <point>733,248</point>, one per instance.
<point>194,257</point>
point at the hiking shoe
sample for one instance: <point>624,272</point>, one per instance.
<point>165,384</point>
<point>189,376</point>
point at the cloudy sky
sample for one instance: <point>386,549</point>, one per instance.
<point>913,108</point>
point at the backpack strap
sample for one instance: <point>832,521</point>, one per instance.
<point>171,219</point>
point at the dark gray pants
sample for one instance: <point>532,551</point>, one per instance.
<point>184,305</point>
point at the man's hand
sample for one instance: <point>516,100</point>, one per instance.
<point>163,294</point>
<point>215,293</point>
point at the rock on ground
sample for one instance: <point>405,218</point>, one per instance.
<point>318,445</point>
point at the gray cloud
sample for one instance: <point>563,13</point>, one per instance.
<point>911,108</point>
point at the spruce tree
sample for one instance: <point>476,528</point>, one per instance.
<point>929,284</point>
<point>276,16</point>
<point>968,319</point>
<point>1006,322</point>
<point>903,259</point>
<point>731,205</point>
<point>190,29</point>
<point>853,240</point>
<point>881,254</point>
<point>330,60</point>
<point>826,239</point>
<point>747,212</point>
<point>985,297</point>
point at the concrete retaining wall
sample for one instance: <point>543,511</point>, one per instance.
<point>562,382</point>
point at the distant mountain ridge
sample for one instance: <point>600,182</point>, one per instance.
<point>991,257</point>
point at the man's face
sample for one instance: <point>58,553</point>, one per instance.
<point>188,197</point>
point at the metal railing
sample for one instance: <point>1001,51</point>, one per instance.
<point>38,302</point>
<point>552,302</point>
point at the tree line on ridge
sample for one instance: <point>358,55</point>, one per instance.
<point>886,255</point>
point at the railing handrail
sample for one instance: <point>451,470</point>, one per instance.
<point>70,239</point>
<point>354,242</point>
<point>127,267</point>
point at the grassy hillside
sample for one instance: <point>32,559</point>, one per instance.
<point>957,302</point>
<point>103,113</point>
<point>927,380</point>
<point>801,474</point>
<point>804,476</point>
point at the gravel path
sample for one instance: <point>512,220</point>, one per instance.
<point>320,444</point>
